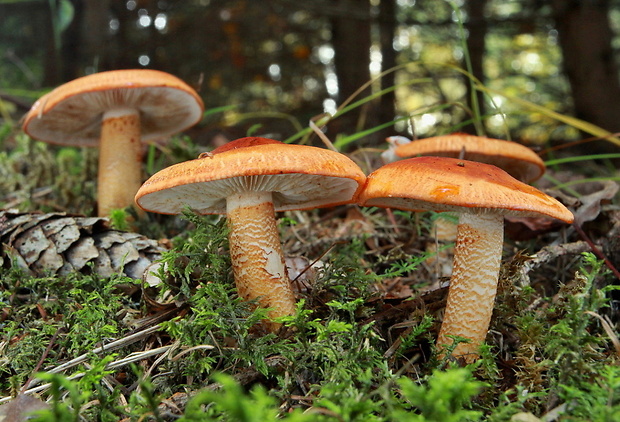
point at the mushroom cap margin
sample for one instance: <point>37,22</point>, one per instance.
<point>449,184</point>
<point>300,177</point>
<point>71,114</point>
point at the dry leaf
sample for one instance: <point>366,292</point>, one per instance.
<point>590,206</point>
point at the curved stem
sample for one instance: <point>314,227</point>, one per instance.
<point>120,160</point>
<point>473,284</point>
<point>256,253</point>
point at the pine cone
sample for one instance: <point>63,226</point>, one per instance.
<point>58,243</point>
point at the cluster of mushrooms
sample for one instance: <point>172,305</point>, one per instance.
<point>250,179</point>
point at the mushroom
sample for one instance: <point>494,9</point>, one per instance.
<point>481,194</point>
<point>115,110</point>
<point>517,160</point>
<point>248,180</point>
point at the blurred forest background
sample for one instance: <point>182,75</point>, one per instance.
<point>279,63</point>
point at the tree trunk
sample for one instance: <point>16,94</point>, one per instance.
<point>51,61</point>
<point>119,55</point>
<point>95,32</point>
<point>70,49</point>
<point>387,29</point>
<point>585,38</point>
<point>351,41</point>
<point>476,26</point>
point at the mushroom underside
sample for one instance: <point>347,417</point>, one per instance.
<point>290,192</point>
<point>77,120</point>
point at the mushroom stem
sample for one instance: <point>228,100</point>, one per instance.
<point>256,253</point>
<point>473,284</point>
<point>120,160</point>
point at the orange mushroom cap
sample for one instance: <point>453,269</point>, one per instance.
<point>300,177</point>
<point>518,160</point>
<point>72,113</point>
<point>450,184</point>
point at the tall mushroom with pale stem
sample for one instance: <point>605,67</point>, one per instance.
<point>249,180</point>
<point>481,195</point>
<point>117,111</point>
<point>517,160</point>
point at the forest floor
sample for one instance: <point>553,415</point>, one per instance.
<point>139,319</point>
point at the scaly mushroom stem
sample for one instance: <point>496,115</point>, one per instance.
<point>473,284</point>
<point>256,253</point>
<point>120,160</point>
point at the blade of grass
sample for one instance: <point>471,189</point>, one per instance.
<point>270,114</point>
<point>346,108</point>
<point>476,117</point>
<point>345,140</point>
<point>575,122</point>
<point>557,184</point>
<point>582,125</point>
<point>216,110</point>
<point>578,158</point>
<point>587,180</point>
